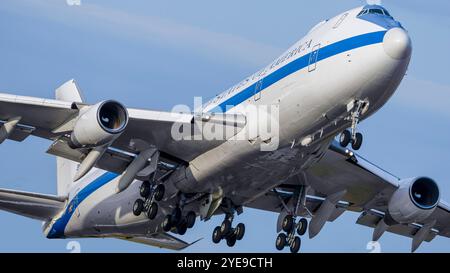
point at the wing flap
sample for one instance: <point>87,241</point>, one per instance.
<point>371,219</point>
<point>271,202</point>
<point>20,132</point>
<point>161,240</point>
<point>442,216</point>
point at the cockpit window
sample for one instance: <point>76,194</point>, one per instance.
<point>363,12</point>
<point>376,11</point>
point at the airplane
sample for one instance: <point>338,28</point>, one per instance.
<point>147,176</point>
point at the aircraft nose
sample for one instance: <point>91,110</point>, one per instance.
<point>397,43</point>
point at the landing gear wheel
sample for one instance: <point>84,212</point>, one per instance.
<point>295,244</point>
<point>138,207</point>
<point>280,243</point>
<point>288,223</point>
<point>225,227</point>
<point>345,138</point>
<point>240,231</point>
<point>182,228</point>
<point>144,190</point>
<point>302,226</point>
<point>159,192</point>
<point>190,219</point>
<point>176,216</point>
<point>152,211</point>
<point>167,223</point>
<point>231,240</point>
<point>357,142</point>
<point>217,235</point>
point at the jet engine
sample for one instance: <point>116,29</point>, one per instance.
<point>99,124</point>
<point>414,201</point>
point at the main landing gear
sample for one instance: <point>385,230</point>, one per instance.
<point>291,227</point>
<point>178,222</point>
<point>226,232</point>
<point>352,136</point>
<point>151,194</point>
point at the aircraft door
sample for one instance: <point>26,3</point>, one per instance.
<point>258,88</point>
<point>313,57</point>
<point>74,207</point>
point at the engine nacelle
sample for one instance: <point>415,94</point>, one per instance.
<point>99,124</point>
<point>414,201</point>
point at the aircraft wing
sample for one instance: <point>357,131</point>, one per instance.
<point>47,118</point>
<point>365,188</point>
<point>37,206</point>
<point>161,240</point>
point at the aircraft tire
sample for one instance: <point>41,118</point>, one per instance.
<point>231,240</point>
<point>190,219</point>
<point>217,235</point>
<point>159,192</point>
<point>144,189</point>
<point>301,230</point>
<point>138,207</point>
<point>295,245</point>
<point>225,227</point>
<point>280,243</point>
<point>240,231</point>
<point>288,223</point>
<point>345,138</point>
<point>357,142</point>
<point>152,211</point>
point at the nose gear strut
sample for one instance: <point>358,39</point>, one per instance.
<point>352,136</point>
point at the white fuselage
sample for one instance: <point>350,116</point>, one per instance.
<point>339,61</point>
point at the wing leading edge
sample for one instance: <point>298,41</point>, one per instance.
<point>21,116</point>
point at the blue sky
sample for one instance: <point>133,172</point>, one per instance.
<point>157,54</point>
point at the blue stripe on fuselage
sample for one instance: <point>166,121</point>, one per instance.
<point>301,63</point>
<point>57,230</point>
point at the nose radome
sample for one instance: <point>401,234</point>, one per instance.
<point>397,43</point>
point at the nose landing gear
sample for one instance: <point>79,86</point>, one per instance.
<point>352,136</point>
<point>289,238</point>
<point>346,138</point>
